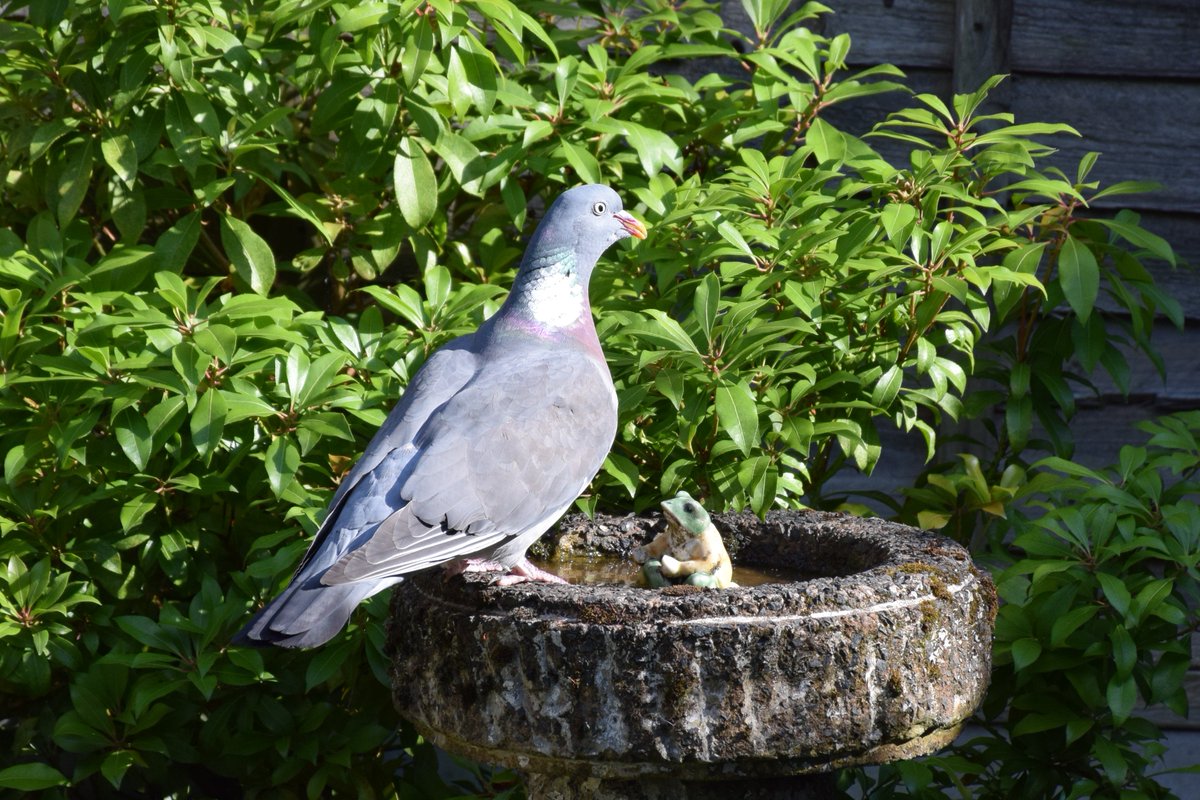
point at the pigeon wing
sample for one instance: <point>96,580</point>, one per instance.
<point>505,455</point>
<point>357,502</point>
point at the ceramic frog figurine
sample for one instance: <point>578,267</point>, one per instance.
<point>690,549</point>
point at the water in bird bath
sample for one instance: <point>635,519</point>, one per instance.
<point>606,570</point>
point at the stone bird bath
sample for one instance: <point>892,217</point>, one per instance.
<point>601,692</point>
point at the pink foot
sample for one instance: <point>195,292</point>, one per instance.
<point>472,565</point>
<point>525,572</point>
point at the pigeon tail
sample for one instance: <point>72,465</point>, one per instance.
<point>306,614</point>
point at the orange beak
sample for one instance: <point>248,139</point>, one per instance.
<point>634,226</point>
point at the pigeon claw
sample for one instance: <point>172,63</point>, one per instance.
<point>525,572</point>
<point>464,565</point>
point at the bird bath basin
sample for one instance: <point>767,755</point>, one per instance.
<point>610,569</point>
<point>613,691</point>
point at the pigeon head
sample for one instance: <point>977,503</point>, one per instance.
<point>585,221</point>
<point>550,292</point>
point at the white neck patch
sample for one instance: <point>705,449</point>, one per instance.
<point>555,299</point>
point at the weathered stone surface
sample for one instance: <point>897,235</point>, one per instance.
<point>879,658</point>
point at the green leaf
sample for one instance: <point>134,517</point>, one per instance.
<point>136,510</point>
<point>133,434</point>
<point>731,234</point>
<point>353,18</point>
<point>1070,622</point>
<point>14,461</point>
<point>655,149</point>
<point>933,520</point>
<point>208,423</point>
<point>1018,418</point>
<point>1018,380</point>
<point>404,301</point>
<point>705,303</point>
<point>415,184</point>
<point>1079,275</point>
<point>296,371</point>
<point>437,286</point>
<point>670,384</point>
<point>471,78</point>
<point>926,353</point>
<point>897,221</point>
<point>219,341</point>
<point>1121,696</point>
<point>323,666</point>
<point>826,141</point>
<point>74,180</point>
<point>1025,652</point>
<point>129,211</point>
<point>583,162</point>
<point>116,764</point>
<point>737,414</point>
<point>1069,468</point>
<point>664,330</point>
<point>758,478</point>
<point>415,55</point>
<point>1150,597</point>
<point>624,470</point>
<point>250,255</point>
<point>1111,759</point>
<point>1141,238</point>
<point>45,135</point>
<point>463,159</point>
<point>31,777</point>
<point>1036,723</point>
<point>175,245</point>
<point>282,462</point>
<point>1115,592</point>
<point>120,154</point>
<point>327,423</point>
<point>1124,651</point>
<point>887,387</point>
<point>320,376</point>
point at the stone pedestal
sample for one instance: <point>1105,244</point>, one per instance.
<point>623,692</point>
<point>568,787</point>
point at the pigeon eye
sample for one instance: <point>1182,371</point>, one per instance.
<point>599,208</point>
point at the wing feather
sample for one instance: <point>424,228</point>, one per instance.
<point>516,444</point>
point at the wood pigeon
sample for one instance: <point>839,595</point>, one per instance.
<point>494,438</point>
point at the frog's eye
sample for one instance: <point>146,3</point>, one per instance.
<point>688,508</point>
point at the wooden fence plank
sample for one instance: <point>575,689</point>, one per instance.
<point>1153,38</point>
<point>907,33</point>
<point>981,34</point>
<point>1183,232</point>
<point>1145,131</point>
<point>1181,387</point>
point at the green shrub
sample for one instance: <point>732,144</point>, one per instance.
<point>202,208</point>
<point>1100,588</point>
<point>1096,611</point>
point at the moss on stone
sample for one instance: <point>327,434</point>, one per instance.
<point>600,614</point>
<point>929,614</point>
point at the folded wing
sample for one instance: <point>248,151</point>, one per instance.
<point>506,454</point>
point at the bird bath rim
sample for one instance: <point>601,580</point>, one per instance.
<point>888,566</point>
